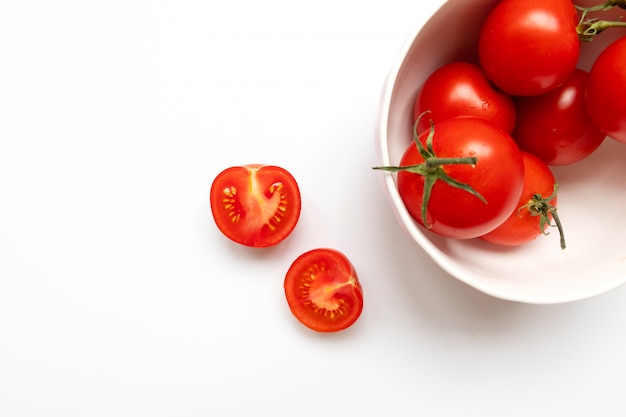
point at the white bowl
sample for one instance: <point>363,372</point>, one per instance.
<point>592,193</point>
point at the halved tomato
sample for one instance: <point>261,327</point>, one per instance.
<point>323,290</point>
<point>255,205</point>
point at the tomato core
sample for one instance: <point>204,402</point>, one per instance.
<point>323,290</point>
<point>255,205</point>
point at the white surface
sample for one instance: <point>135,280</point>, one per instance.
<point>118,295</point>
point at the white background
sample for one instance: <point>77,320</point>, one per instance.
<point>119,296</point>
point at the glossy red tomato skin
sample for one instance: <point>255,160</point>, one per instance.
<point>323,290</point>
<point>521,227</point>
<point>529,47</point>
<point>498,176</point>
<point>555,126</point>
<point>462,89</point>
<point>255,205</point>
<point>606,91</point>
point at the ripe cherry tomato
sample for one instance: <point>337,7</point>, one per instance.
<point>255,205</point>
<point>606,91</point>
<point>462,89</point>
<point>536,207</point>
<point>529,47</point>
<point>555,126</point>
<point>323,290</point>
<point>497,176</point>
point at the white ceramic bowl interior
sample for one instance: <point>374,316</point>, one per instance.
<point>592,194</point>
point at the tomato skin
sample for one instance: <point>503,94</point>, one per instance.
<point>529,47</point>
<point>255,205</point>
<point>323,291</point>
<point>555,126</point>
<point>498,176</point>
<point>521,227</point>
<point>462,89</point>
<point>606,91</point>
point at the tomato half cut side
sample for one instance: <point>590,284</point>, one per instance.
<point>255,205</point>
<point>323,290</point>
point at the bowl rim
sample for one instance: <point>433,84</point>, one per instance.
<point>412,228</point>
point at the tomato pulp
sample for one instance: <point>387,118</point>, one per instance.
<point>323,291</point>
<point>255,205</point>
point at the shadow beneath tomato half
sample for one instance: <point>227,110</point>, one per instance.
<point>261,254</point>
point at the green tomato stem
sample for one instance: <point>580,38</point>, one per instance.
<point>432,169</point>
<point>540,206</point>
<point>602,7</point>
<point>557,221</point>
<point>434,162</point>
<point>588,29</point>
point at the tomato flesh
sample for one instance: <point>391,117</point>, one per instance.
<point>323,291</point>
<point>255,205</point>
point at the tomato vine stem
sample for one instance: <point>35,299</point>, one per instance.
<point>540,206</point>
<point>587,29</point>
<point>608,4</point>
<point>432,168</point>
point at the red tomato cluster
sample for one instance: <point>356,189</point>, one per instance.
<point>487,132</point>
<point>259,206</point>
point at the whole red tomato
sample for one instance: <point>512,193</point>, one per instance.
<point>555,126</point>
<point>606,91</point>
<point>255,205</point>
<point>529,47</point>
<point>452,196</point>
<point>462,89</point>
<point>536,207</point>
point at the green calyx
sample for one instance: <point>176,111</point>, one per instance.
<point>608,4</point>
<point>587,29</point>
<point>540,206</point>
<point>432,168</point>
